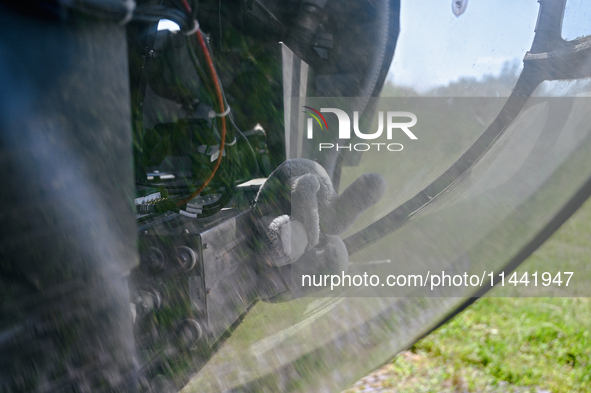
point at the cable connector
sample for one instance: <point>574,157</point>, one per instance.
<point>157,206</point>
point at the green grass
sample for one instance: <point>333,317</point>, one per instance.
<point>507,344</point>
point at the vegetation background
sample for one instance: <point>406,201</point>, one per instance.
<point>506,344</point>
<point>502,344</point>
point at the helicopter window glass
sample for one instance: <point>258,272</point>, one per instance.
<point>440,54</point>
<point>577,15</point>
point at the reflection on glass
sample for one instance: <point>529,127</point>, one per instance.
<point>564,88</point>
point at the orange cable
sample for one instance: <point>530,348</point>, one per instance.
<point>218,92</point>
<point>187,7</point>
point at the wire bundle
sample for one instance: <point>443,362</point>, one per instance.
<point>217,92</point>
<point>184,15</point>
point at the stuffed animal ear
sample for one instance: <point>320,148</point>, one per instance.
<point>363,193</point>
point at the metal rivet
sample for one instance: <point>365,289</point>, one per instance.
<point>185,257</point>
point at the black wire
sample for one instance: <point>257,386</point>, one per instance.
<point>252,153</point>
<point>194,9</point>
<point>220,21</point>
<point>198,67</point>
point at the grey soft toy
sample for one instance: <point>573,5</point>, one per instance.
<point>298,216</point>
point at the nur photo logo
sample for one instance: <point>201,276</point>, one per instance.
<point>395,121</point>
